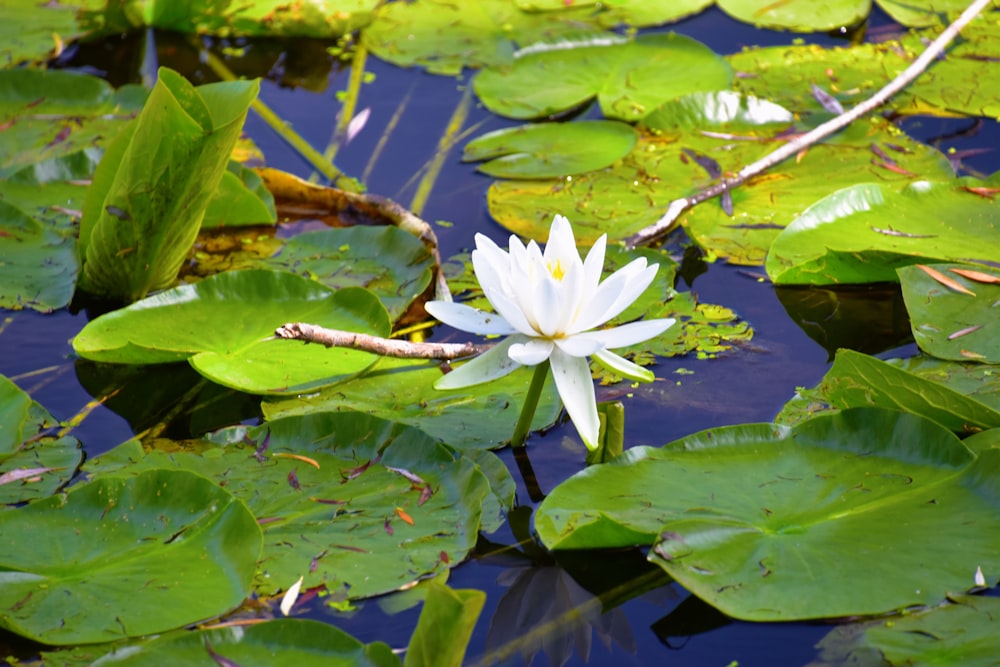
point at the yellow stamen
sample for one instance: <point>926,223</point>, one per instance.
<point>557,270</point>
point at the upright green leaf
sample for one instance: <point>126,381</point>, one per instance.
<point>151,189</point>
<point>445,626</point>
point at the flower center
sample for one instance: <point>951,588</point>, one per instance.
<point>557,270</point>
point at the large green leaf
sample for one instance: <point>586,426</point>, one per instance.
<point>963,397</point>
<point>846,514</point>
<point>224,326</point>
<point>388,261</point>
<point>280,642</point>
<point>613,13</point>
<point>552,149</point>
<point>124,557</point>
<point>864,232</point>
<point>963,633</point>
<point>151,189</point>
<point>630,78</point>
<point>33,31</point>
<point>373,507</point>
<point>477,417</point>
<point>950,323</point>
<point>33,464</point>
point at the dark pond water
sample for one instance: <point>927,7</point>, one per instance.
<point>796,332</point>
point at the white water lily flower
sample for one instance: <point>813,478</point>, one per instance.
<point>548,305</point>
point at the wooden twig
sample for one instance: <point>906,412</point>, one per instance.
<point>916,68</point>
<point>385,347</point>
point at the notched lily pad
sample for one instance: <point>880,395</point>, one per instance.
<point>629,78</point>
<point>767,522</point>
<point>351,502</point>
<point>224,327</point>
<point>125,557</point>
<point>550,150</point>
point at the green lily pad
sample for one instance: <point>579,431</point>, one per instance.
<point>32,464</point>
<point>965,82</point>
<point>549,150</point>
<point>40,266</point>
<point>149,194</point>
<point>635,192</point>
<point>802,17</point>
<point>964,632</point>
<point>372,507</point>
<point>613,13</point>
<point>284,641</point>
<point>630,78</point>
<point>224,327</point>
<point>953,324</point>
<point>30,30</point>
<point>767,522</point>
<point>52,113</point>
<point>864,232</point>
<point>388,261</point>
<point>124,557</point>
<point>444,37</point>
<point>923,13</point>
<point>962,397</point>
<point>477,417</point>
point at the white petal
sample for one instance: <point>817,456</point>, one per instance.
<point>623,366</point>
<point>532,352</point>
<point>511,311</point>
<point>576,389</point>
<point>290,596</point>
<point>580,345</point>
<point>618,292</point>
<point>491,281</point>
<point>466,318</point>
<point>547,306</point>
<point>492,364</point>
<point>594,264</point>
<point>628,334</point>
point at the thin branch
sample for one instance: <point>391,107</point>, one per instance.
<point>916,68</point>
<point>385,347</point>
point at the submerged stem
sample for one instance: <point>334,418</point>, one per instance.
<point>530,404</point>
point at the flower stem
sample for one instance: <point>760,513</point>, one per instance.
<point>530,403</point>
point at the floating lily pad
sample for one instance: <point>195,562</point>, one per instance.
<point>664,165</point>
<point>629,78</point>
<point>964,632</point>
<point>40,266</point>
<point>124,557</point>
<point>391,263</point>
<point>283,641</point>
<point>612,13</point>
<point>802,17</point>
<point>444,37</point>
<point>32,465</point>
<point>553,149</point>
<point>863,233</point>
<point>224,327</point>
<point>767,522</point>
<point>959,320</point>
<point>361,505</point>
<point>51,113</point>
<point>961,397</point>
<point>477,417</point>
